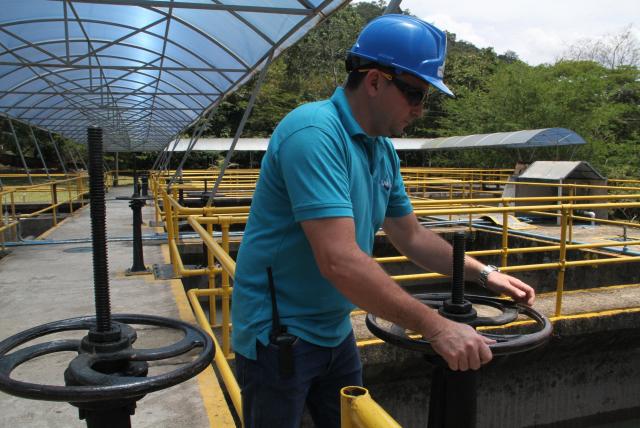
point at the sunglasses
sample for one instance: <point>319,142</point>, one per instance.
<point>414,96</point>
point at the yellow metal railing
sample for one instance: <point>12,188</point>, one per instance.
<point>217,253</point>
<point>359,410</point>
<point>49,196</point>
<point>220,264</point>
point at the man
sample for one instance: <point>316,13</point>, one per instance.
<point>329,180</point>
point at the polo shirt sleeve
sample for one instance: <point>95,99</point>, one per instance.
<point>314,168</point>
<point>399,204</point>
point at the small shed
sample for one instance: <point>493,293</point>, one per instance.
<point>559,173</point>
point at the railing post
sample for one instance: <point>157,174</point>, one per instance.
<point>226,321</point>
<point>563,258</point>
<point>54,201</point>
<point>450,196</point>
<point>80,190</point>
<point>155,189</point>
<point>572,191</point>
<point>505,237</point>
<point>212,279</point>
<point>14,235</point>
<point>2,222</point>
<point>69,198</point>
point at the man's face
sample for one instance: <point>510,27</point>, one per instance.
<point>400,103</point>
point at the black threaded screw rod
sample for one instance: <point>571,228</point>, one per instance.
<point>457,286</point>
<point>98,230</point>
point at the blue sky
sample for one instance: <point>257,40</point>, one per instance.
<point>539,31</point>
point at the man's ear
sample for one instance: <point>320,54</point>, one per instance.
<point>372,82</point>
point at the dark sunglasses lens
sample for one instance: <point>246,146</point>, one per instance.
<point>413,95</point>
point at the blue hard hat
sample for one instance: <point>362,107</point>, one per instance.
<point>403,43</point>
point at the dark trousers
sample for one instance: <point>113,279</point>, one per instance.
<point>269,401</point>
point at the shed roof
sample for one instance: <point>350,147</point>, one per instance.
<point>524,139</point>
<point>560,170</point>
<point>549,137</point>
<point>143,70</point>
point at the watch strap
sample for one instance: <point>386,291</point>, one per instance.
<point>484,274</point>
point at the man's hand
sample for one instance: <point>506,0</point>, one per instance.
<point>461,346</point>
<point>501,283</point>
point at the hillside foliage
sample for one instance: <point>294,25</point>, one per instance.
<point>494,93</point>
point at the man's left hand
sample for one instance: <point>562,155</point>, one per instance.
<point>501,283</point>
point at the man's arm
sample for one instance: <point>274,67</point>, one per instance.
<point>361,280</point>
<point>430,251</point>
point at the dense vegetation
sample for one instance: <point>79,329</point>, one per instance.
<point>594,95</point>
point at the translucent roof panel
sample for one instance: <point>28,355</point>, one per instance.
<point>508,140</point>
<point>520,139</point>
<point>143,70</point>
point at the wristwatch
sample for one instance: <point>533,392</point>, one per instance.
<point>484,274</point>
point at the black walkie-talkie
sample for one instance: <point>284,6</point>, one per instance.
<point>279,336</point>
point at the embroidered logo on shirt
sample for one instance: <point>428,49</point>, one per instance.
<point>386,184</point>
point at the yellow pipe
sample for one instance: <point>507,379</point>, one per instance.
<point>524,268</point>
<point>562,261</point>
<point>212,281</point>
<point>485,210</point>
<point>359,410</point>
<point>505,238</point>
<point>226,318</point>
<point>179,267</point>
<point>225,260</point>
<point>228,378</point>
<point>228,271</point>
<point>54,201</point>
<point>509,200</point>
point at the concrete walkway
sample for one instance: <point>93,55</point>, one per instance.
<point>44,283</point>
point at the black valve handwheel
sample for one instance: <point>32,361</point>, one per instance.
<point>506,344</point>
<point>103,386</point>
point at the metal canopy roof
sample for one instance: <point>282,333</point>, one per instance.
<point>143,70</point>
<point>549,137</point>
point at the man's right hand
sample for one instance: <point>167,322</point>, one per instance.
<point>461,346</point>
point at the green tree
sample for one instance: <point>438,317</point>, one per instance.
<point>598,103</point>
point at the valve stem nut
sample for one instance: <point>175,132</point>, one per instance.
<point>460,312</point>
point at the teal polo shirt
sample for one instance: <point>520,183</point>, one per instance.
<point>319,164</point>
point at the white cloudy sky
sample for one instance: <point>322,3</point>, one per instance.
<point>537,30</point>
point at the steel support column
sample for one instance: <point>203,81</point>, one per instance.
<point>117,176</point>
<point>55,146</point>
<point>166,163</point>
<point>73,159</point>
<point>84,164</point>
<point>192,143</point>
<point>35,141</point>
<point>24,163</point>
<point>243,121</point>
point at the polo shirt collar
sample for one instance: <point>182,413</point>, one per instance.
<point>339,100</point>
